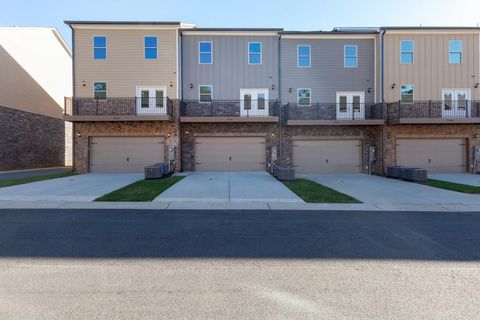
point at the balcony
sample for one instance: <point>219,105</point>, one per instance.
<point>118,109</point>
<point>433,112</point>
<point>230,111</point>
<point>334,114</point>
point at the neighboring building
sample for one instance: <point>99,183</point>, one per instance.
<point>230,99</point>
<point>431,84</point>
<point>35,76</point>
<point>332,117</point>
<point>126,82</point>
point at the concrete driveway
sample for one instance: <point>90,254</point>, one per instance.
<point>462,178</point>
<point>229,187</point>
<point>84,187</point>
<point>379,190</point>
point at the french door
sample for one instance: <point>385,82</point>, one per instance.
<point>254,102</point>
<point>350,105</point>
<point>151,100</point>
<point>455,103</point>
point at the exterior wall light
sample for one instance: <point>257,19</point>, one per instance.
<point>477,85</point>
<point>273,87</point>
<point>370,90</point>
<point>171,84</point>
<point>84,84</point>
<point>289,90</point>
<point>191,85</point>
<point>394,85</point>
<point>475,136</point>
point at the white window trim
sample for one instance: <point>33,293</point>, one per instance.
<point>413,94</point>
<point>345,55</point>
<point>145,47</point>
<point>200,52</point>
<point>93,89</point>
<point>211,94</point>
<point>93,46</point>
<point>261,53</point>
<point>449,52</point>
<point>309,56</point>
<point>298,97</point>
<point>412,52</point>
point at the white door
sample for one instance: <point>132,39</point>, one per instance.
<point>350,105</point>
<point>254,102</point>
<point>151,101</point>
<point>455,103</point>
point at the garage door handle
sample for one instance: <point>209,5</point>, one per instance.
<point>230,158</point>
<point>326,160</point>
<point>128,159</point>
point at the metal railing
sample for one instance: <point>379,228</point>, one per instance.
<point>134,106</point>
<point>230,108</point>
<point>434,109</point>
<point>334,111</point>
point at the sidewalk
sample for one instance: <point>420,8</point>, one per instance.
<point>267,206</point>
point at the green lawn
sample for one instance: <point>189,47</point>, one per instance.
<point>12,182</point>
<point>142,190</point>
<point>452,186</point>
<point>316,193</point>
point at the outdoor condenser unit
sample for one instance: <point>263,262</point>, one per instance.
<point>154,172</point>
<point>415,174</point>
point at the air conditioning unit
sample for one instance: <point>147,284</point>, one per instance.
<point>284,173</point>
<point>154,172</point>
<point>397,172</point>
<point>415,174</point>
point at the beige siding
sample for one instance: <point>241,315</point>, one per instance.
<point>125,67</point>
<point>35,83</point>
<point>431,71</point>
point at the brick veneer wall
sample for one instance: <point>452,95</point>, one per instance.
<point>29,140</point>
<point>370,136</point>
<point>85,130</point>
<point>191,130</point>
<point>466,131</point>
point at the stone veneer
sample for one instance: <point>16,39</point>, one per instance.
<point>29,140</point>
<point>466,131</point>
<point>192,130</point>
<point>85,130</point>
<point>370,136</point>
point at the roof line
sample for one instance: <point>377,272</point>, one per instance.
<point>70,22</point>
<point>234,29</point>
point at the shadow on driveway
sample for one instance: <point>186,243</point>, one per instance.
<point>239,234</point>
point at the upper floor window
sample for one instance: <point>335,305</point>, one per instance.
<point>254,53</point>
<point>406,93</point>
<point>99,47</point>
<point>350,56</point>
<point>303,97</point>
<point>150,48</point>
<point>455,49</point>
<point>205,52</point>
<point>406,51</point>
<point>100,90</point>
<point>206,93</point>
<point>303,56</point>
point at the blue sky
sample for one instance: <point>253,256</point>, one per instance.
<point>307,15</point>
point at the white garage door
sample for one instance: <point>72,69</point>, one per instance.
<point>230,154</point>
<point>435,155</point>
<point>327,156</point>
<point>125,154</point>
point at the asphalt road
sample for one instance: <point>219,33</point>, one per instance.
<point>110,264</point>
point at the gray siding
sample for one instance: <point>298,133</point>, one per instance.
<point>327,74</point>
<point>230,70</point>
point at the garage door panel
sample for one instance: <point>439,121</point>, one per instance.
<point>230,154</point>
<point>435,155</point>
<point>125,154</point>
<point>327,156</point>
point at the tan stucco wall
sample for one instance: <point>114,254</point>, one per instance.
<point>431,71</point>
<point>125,67</point>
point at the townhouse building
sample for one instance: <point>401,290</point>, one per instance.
<point>349,100</point>
<point>33,133</point>
<point>230,99</point>
<point>430,81</point>
<point>125,86</point>
<point>332,116</point>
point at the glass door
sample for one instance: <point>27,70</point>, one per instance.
<point>151,101</point>
<point>455,103</point>
<point>254,102</point>
<point>350,105</point>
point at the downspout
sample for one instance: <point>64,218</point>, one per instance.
<point>180,131</point>
<point>74,94</point>
<point>280,109</point>
<point>382,53</point>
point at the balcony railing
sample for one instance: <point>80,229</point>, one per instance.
<point>434,110</point>
<point>230,108</point>
<point>135,106</point>
<point>334,111</point>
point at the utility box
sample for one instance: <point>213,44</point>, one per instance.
<point>476,159</point>
<point>171,152</point>
<point>274,153</point>
<point>372,154</point>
